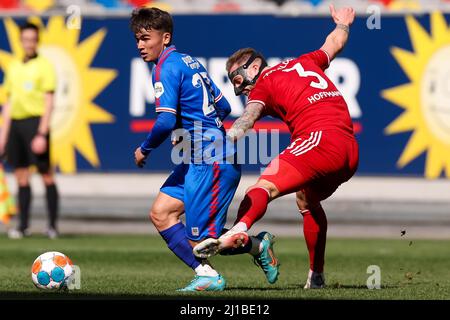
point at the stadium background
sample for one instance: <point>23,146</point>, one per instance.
<point>104,107</point>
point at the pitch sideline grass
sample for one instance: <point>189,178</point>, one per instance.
<point>130,266</point>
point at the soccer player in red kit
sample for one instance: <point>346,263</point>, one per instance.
<point>323,152</point>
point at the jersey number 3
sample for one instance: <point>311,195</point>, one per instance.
<point>320,84</point>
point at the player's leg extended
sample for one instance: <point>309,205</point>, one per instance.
<point>278,179</point>
<point>236,240</point>
<point>254,205</point>
<point>165,215</point>
<point>209,190</point>
<point>315,232</point>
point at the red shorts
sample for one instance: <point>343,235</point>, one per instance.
<point>315,163</point>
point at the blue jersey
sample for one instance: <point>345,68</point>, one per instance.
<point>206,187</point>
<point>183,87</point>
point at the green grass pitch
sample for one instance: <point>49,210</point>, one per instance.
<point>143,267</point>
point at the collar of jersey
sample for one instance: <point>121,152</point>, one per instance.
<point>166,52</point>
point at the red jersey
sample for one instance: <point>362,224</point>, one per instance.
<point>298,92</point>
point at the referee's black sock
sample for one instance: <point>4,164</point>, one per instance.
<point>24,206</point>
<point>52,204</point>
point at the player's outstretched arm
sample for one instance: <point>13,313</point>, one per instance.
<point>165,123</point>
<point>252,112</point>
<point>337,39</point>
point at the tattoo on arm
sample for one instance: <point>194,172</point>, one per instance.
<point>252,112</point>
<point>343,27</point>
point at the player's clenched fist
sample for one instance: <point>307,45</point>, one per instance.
<point>139,158</point>
<point>344,15</point>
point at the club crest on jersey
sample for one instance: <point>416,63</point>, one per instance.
<point>159,89</point>
<point>195,231</point>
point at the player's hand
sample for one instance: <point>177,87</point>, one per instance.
<point>39,144</point>
<point>234,134</point>
<point>344,15</point>
<point>139,158</point>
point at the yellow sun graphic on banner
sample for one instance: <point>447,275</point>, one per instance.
<point>77,86</point>
<point>426,99</point>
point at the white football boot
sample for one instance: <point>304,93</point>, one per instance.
<point>229,240</point>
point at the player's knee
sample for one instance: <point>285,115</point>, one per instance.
<point>302,204</point>
<point>266,185</point>
<point>48,179</point>
<point>22,177</point>
<point>307,202</point>
<point>158,216</point>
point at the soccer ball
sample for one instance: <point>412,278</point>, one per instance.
<point>51,271</point>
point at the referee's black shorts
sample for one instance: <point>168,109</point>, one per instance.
<point>18,151</point>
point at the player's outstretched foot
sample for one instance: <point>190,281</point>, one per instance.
<point>229,240</point>
<point>206,283</point>
<point>315,280</point>
<point>266,258</point>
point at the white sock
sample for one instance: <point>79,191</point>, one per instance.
<point>206,270</point>
<point>239,227</point>
<point>256,246</point>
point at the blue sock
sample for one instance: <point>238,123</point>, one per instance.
<point>177,241</point>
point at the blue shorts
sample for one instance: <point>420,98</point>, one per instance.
<point>207,191</point>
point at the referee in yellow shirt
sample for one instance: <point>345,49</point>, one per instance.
<point>24,139</point>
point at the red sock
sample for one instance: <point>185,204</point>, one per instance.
<point>253,206</point>
<point>315,231</point>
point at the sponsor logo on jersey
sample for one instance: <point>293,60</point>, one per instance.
<point>159,89</point>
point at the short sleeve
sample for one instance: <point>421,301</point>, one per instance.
<point>259,94</point>
<point>216,92</point>
<point>319,57</point>
<point>48,77</point>
<point>167,83</point>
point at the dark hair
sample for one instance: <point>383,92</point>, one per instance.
<point>151,18</point>
<point>239,57</point>
<point>29,26</point>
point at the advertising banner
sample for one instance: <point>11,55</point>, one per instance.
<point>394,77</point>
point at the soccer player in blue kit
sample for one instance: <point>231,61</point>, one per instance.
<point>204,187</point>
